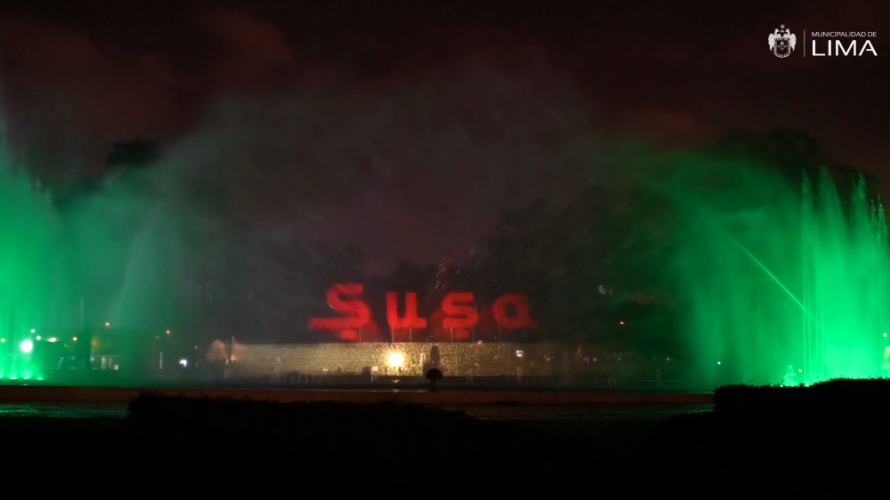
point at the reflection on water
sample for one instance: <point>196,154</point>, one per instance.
<point>581,412</point>
<point>62,410</point>
<point>486,412</point>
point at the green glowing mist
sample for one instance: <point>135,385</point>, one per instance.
<point>64,273</point>
<point>783,284</point>
<point>32,280</point>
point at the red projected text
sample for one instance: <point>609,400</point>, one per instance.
<point>511,312</point>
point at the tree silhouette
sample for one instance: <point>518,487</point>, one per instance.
<point>793,154</point>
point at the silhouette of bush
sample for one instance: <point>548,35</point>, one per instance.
<point>835,397</point>
<point>330,423</point>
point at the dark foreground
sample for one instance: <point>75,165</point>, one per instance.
<point>408,451</point>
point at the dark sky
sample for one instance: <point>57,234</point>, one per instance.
<point>371,120</point>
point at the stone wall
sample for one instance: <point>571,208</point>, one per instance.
<point>456,359</point>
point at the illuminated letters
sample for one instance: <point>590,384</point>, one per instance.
<point>410,319</point>
<point>461,315</point>
<point>357,311</point>
<point>521,320</point>
<point>466,315</point>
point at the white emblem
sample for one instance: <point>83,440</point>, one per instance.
<point>782,42</point>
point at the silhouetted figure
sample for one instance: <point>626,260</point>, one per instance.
<point>433,361</point>
<point>433,375</point>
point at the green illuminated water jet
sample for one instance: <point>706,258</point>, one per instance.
<point>783,284</point>
<point>32,274</point>
<point>64,273</point>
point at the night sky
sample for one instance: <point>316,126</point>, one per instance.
<point>367,121</point>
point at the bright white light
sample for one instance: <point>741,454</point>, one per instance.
<point>183,362</point>
<point>520,354</point>
<point>718,362</point>
<point>52,340</point>
<point>396,359</point>
<point>35,331</point>
<point>27,346</point>
<point>38,337</point>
